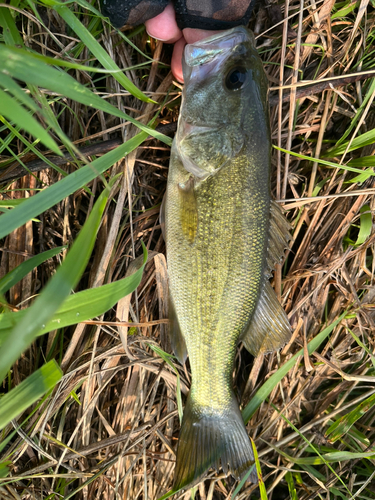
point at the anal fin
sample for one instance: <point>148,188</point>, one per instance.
<point>269,327</point>
<point>177,341</point>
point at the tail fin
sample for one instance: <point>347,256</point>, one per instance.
<point>209,438</point>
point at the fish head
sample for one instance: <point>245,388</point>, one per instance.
<point>225,93</point>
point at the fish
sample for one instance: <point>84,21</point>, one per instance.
<point>224,235</point>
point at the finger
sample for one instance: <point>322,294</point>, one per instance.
<point>176,63</point>
<point>164,27</point>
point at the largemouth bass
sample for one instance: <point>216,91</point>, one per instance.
<point>224,236</point>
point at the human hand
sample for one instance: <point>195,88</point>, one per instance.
<point>164,27</point>
<point>185,21</point>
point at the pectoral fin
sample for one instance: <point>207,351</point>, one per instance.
<point>269,328</point>
<point>177,341</point>
<point>188,209</point>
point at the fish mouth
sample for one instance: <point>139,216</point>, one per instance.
<point>206,50</point>
<point>203,57</point>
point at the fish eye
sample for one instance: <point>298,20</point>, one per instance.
<point>236,78</point>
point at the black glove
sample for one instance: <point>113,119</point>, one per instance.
<point>212,14</point>
<point>201,14</point>
<point>132,12</point>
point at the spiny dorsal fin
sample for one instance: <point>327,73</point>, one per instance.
<point>279,236</point>
<point>177,341</point>
<point>269,328</point>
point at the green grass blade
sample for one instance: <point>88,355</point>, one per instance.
<point>262,488</point>
<point>23,269</point>
<point>56,290</point>
<point>81,306</point>
<point>363,161</point>
<point>4,443</point>
<point>10,32</point>
<point>318,187</point>
<point>359,112</point>
<point>11,86</point>
<point>266,389</point>
<point>37,204</point>
<point>291,486</point>
<point>369,172</point>
<point>338,493</point>
<point>319,160</point>
<point>97,50</point>
<point>83,3</point>
<point>308,461</point>
<point>12,203</point>
<point>4,468</point>
<point>51,120</point>
<point>51,61</point>
<point>363,346</point>
<point>321,459</point>
<point>347,9</point>
<point>28,391</point>
<point>327,458</point>
<point>365,227</point>
<point>342,425</point>
<point>28,147</point>
<point>43,108</point>
<point>23,66</point>
<point>12,110</point>
<point>242,482</point>
<point>169,494</point>
<point>359,142</point>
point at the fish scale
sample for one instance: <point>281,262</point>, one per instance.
<point>217,226</point>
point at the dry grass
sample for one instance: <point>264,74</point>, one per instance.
<point>110,428</point>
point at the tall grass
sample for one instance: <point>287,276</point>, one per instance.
<point>91,398</point>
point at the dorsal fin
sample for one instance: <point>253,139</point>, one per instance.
<point>269,327</point>
<point>279,236</point>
